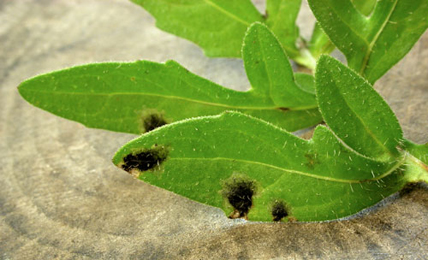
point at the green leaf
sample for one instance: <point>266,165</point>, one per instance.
<point>355,112</point>
<point>218,26</point>
<point>306,82</point>
<point>269,70</point>
<point>126,97</point>
<point>372,45</point>
<point>281,18</point>
<point>364,6</point>
<point>320,43</point>
<point>207,159</point>
<point>419,151</point>
<point>140,96</point>
<point>417,161</point>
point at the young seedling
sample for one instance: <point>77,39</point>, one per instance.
<point>234,150</point>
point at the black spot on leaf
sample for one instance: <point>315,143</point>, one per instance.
<point>279,210</point>
<point>145,160</point>
<point>239,192</point>
<point>153,121</point>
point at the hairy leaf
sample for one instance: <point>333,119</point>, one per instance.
<point>419,151</point>
<point>218,26</point>
<point>140,96</point>
<point>355,111</point>
<point>416,162</point>
<point>234,159</point>
<point>281,18</point>
<point>372,45</point>
<point>306,82</point>
<point>124,97</point>
<point>320,43</point>
<point>269,70</point>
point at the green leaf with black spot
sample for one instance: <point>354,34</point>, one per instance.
<point>140,96</point>
<point>372,44</point>
<point>355,111</point>
<point>218,159</point>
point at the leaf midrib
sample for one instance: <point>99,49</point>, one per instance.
<point>227,13</point>
<point>269,79</point>
<point>350,27</point>
<point>290,50</point>
<point>325,178</point>
<point>374,40</point>
<point>173,97</point>
<point>362,122</point>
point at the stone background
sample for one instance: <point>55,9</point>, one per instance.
<point>61,197</point>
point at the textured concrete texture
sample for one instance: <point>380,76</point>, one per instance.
<point>61,197</point>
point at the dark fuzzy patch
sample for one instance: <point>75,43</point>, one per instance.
<point>279,210</point>
<point>153,121</point>
<point>239,192</point>
<point>145,160</point>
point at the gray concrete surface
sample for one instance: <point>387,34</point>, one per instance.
<point>61,197</point>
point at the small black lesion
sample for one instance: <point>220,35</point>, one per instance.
<point>279,210</point>
<point>153,121</point>
<point>239,192</point>
<point>145,160</point>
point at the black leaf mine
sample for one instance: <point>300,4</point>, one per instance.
<point>153,121</point>
<point>279,210</point>
<point>145,160</point>
<point>239,192</point>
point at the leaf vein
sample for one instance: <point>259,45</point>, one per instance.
<point>372,43</point>
<point>227,13</point>
<point>387,173</point>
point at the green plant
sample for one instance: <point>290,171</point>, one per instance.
<point>218,26</point>
<point>235,151</point>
